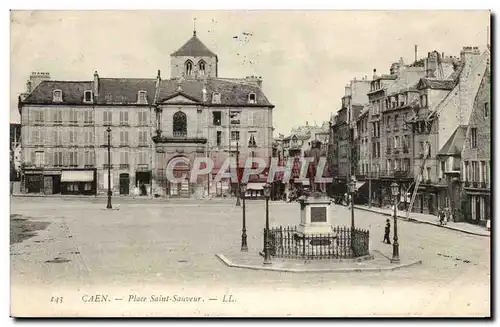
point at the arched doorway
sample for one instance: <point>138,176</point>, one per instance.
<point>181,168</point>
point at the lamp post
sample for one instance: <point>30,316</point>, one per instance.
<point>352,189</point>
<point>244,246</point>
<point>395,245</point>
<point>109,206</point>
<point>267,255</point>
<point>238,191</point>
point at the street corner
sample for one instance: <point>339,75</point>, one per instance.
<point>376,261</point>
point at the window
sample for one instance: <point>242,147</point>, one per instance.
<point>428,173</point>
<point>143,158</point>
<point>106,134</point>
<point>108,161</point>
<point>58,138</point>
<point>235,117</point>
<point>235,135</point>
<point>466,171</point>
<point>124,159</point>
<point>58,116</point>
<point>89,158</point>
<point>251,140</point>
<point>405,117</point>
<point>389,165</point>
<point>473,138</point>
<point>396,142</point>
<point>201,67</point>
<point>252,98</point>
<point>216,97</point>
<point>143,138</point>
<point>475,171</point>
<point>58,158</point>
<point>124,138</point>
<point>217,118</point>
<point>107,117</point>
<point>486,109</point>
<point>141,97</point>
<point>443,169</point>
<point>73,137</point>
<point>88,96</point>
<point>219,138</point>
<point>189,68</point>
<point>396,117</point>
<point>388,122</point>
<point>423,100</point>
<point>406,143</point>
<point>89,117</point>
<point>39,116</point>
<point>57,96</point>
<point>73,158</point>
<point>123,117</point>
<point>180,124</point>
<point>39,159</point>
<point>89,137</point>
<point>389,142</point>
<point>143,118</point>
<point>484,176</point>
<point>73,116</point>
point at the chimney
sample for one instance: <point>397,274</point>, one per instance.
<point>38,77</point>
<point>28,86</point>
<point>374,73</point>
<point>416,52</point>
<point>96,84</point>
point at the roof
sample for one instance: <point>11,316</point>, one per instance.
<point>125,90</point>
<point>72,92</point>
<point>455,143</point>
<point>232,92</point>
<point>194,48</point>
<point>436,84</point>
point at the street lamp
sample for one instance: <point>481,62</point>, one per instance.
<point>244,246</point>
<point>267,256</point>
<point>238,191</point>
<point>352,189</point>
<point>395,246</point>
<point>108,206</point>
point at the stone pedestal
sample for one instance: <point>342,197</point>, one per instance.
<point>315,218</point>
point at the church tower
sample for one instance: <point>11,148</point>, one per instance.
<point>193,60</point>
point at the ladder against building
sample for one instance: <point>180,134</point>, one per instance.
<point>418,179</point>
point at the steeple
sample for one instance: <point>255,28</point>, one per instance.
<point>194,27</point>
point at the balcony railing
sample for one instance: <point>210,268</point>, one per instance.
<point>396,173</point>
<point>179,134</point>
<point>124,166</point>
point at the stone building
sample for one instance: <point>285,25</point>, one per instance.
<point>152,120</point>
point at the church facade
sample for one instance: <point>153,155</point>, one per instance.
<point>192,113</point>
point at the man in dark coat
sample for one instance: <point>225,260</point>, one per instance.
<point>387,232</point>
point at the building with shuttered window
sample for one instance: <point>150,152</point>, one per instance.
<point>153,120</point>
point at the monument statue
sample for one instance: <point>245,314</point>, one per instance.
<point>313,152</point>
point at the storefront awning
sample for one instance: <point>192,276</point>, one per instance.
<point>255,186</point>
<point>359,184</point>
<point>77,176</point>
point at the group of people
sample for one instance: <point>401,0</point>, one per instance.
<point>444,215</point>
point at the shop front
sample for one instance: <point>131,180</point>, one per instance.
<point>79,182</point>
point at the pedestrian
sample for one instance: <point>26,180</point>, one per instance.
<point>387,232</point>
<point>441,216</point>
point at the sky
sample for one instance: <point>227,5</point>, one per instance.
<point>305,58</point>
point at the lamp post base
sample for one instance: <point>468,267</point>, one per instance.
<point>267,261</point>
<point>395,260</point>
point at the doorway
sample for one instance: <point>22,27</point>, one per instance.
<point>47,185</point>
<point>124,184</point>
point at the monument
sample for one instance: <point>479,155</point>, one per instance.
<point>315,217</point>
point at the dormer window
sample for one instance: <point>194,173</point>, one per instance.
<point>57,96</point>
<point>252,98</point>
<point>189,68</point>
<point>87,96</point>
<point>216,97</point>
<point>142,97</point>
<point>201,67</point>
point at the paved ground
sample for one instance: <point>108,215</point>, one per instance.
<point>155,247</point>
<point>432,220</point>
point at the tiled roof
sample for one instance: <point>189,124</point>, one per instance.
<point>194,48</point>
<point>72,92</point>
<point>455,143</point>
<point>125,90</point>
<point>232,92</point>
